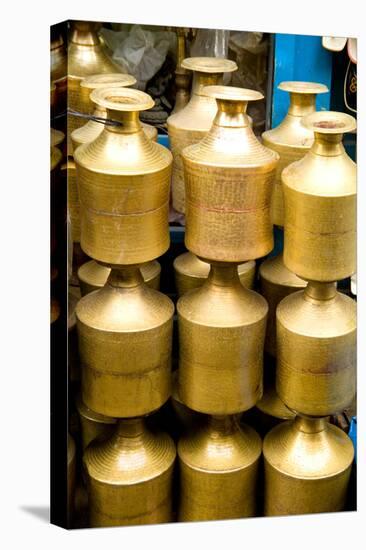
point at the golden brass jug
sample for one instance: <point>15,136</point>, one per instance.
<point>182,76</point>
<point>93,276</point>
<point>218,466</point>
<point>276,282</point>
<point>93,425</point>
<point>191,123</point>
<point>131,325</point>
<point>290,138</point>
<point>191,272</point>
<point>316,350</point>
<point>124,181</point>
<point>228,178</point>
<point>307,467</point>
<point>221,338</point>
<point>320,203</point>
<point>129,476</point>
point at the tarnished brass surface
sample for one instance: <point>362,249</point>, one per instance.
<point>316,350</point>
<point>191,272</point>
<point>58,66</point>
<point>307,467</point>
<point>228,181</point>
<point>93,276</point>
<point>320,203</point>
<point>182,76</point>
<point>221,337</point>
<point>73,204</point>
<point>93,425</point>
<point>191,123</point>
<point>218,471</point>
<point>276,283</point>
<point>290,138</point>
<point>124,181</point>
<point>131,325</point>
<point>129,476</point>
<point>71,476</point>
<point>188,420</point>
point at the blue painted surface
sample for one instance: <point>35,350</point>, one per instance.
<point>299,57</point>
<point>353,434</point>
<point>163,139</point>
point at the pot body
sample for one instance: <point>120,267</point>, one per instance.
<point>93,425</point>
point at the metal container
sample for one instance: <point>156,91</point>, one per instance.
<point>307,467</point>
<point>320,203</point>
<point>271,410</point>
<point>58,68</point>
<point>290,138</point>
<point>124,181</point>
<point>228,177</point>
<point>129,476</point>
<point>182,76</point>
<point>316,350</point>
<point>73,205</point>
<point>218,466</point>
<point>93,425</point>
<point>191,272</point>
<point>186,419</point>
<point>191,123</point>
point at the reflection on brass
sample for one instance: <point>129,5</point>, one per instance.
<point>316,350</point>
<point>93,425</point>
<point>191,123</point>
<point>131,325</point>
<point>307,467</point>
<point>228,177</point>
<point>58,66</point>
<point>290,138</point>
<point>93,276</point>
<point>191,272</point>
<point>123,181</point>
<point>221,339</point>
<point>71,477</point>
<point>129,476</point>
<point>182,76</point>
<point>218,466</point>
<point>320,203</point>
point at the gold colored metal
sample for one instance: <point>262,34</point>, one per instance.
<point>73,205</point>
<point>58,68</point>
<point>71,477</point>
<point>276,283</point>
<point>218,471</point>
<point>56,138</point>
<point>93,425</point>
<point>93,276</point>
<point>307,467</point>
<point>187,419</point>
<point>191,272</point>
<point>316,350</point>
<point>125,338</point>
<point>124,182</point>
<point>272,406</point>
<point>290,138</point>
<point>191,123</point>
<point>129,476</point>
<point>182,76</point>
<point>221,338</point>
<point>72,339</point>
<point>228,178</point>
<point>320,203</point>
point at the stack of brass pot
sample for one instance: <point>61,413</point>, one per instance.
<point>124,194</point>
<point>228,178</point>
<point>316,327</point>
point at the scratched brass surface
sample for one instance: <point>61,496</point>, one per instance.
<point>276,282</point>
<point>218,466</point>
<point>129,476</point>
<point>93,276</point>
<point>124,181</point>
<point>307,467</point>
<point>290,138</point>
<point>221,338</point>
<point>316,350</point>
<point>131,325</point>
<point>191,123</point>
<point>228,178</point>
<point>190,272</point>
<point>93,425</point>
<point>320,203</point>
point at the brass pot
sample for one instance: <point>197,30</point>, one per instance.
<point>93,276</point>
<point>316,350</point>
<point>182,76</point>
<point>131,325</point>
<point>320,203</point>
<point>271,410</point>
<point>186,418</point>
<point>124,181</point>
<point>191,272</point>
<point>218,471</point>
<point>93,425</point>
<point>221,337</point>
<point>191,123</point>
<point>129,476</point>
<point>71,477</point>
<point>290,138</point>
<point>56,138</point>
<point>228,177</point>
<point>73,204</point>
<point>307,467</point>
<point>58,68</point>
<point>276,282</point>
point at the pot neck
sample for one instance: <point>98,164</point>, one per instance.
<point>310,425</point>
<point>181,51</point>
<point>85,34</point>
<point>231,114</point>
<point>125,277</point>
<point>301,104</point>
<point>130,121</point>
<point>327,145</point>
<point>223,274</point>
<point>320,292</point>
<point>200,80</point>
<point>130,427</point>
<point>220,425</point>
